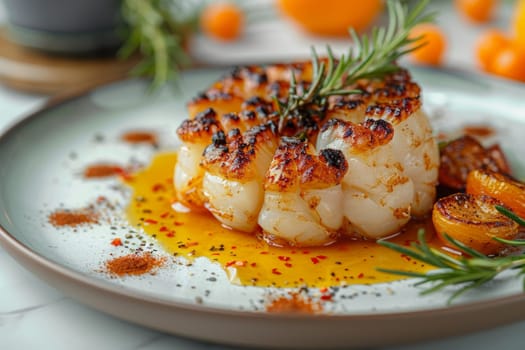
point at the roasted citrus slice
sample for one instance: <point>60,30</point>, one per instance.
<point>500,186</point>
<point>474,221</point>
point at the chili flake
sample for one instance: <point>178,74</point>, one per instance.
<point>116,242</point>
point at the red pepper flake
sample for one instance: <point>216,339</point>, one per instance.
<point>170,234</point>
<point>276,272</point>
<point>192,244</point>
<point>157,187</point>
<point>306,252</point>
<point>264,253</point>
<point>163,229</point>
<point>253,264</point>
<point>361,275</point>
<point>230,263</point>
<point>116,242</point>
<point>165,214</point>
<point>287,264</point>
<point>284,258</point>
<point>315,260</point>
<point>322,257</point>
<point>234,247</point>
<point>151,221</point>
<point>326,297</point>
<point>178,223</point>
<point>323,290</point>
<point>406,257</point>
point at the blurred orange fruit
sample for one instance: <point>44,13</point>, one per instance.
<point>433,51</point>
<point>223,21</point>
<point>489,45</point>
<point>509,63</point>
<point>331,17</point>
<point>479,11</point>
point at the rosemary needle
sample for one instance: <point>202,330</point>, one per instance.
<point>466,272</point>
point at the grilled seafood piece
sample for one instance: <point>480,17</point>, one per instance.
<point>377,194</point>
<point>303,196</point>
<point>414,146</point>
<point>235,166</point>
<point>382,134</point>
<point>195,135</point>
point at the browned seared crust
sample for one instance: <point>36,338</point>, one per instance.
<point>395,86</point>
<point>361,137</point>
<point>221,101</point>
<point>199,129</point>
<point>295,164</point>
<point>244,117</point>
<point>233,155</point>
<point>395,111</point>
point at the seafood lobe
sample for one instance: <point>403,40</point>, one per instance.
<point>303,196</point>
<point>235,165</point>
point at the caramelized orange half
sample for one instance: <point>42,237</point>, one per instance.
<point>499,186</point>
<point>474,221</point>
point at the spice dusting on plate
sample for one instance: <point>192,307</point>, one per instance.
<point>73,218</point>
<point>134,264</point>
<point>295,303</point>
<point>479,130</point>
<point>103,170</point>
<point>135,137</point>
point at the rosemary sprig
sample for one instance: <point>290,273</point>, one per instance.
<point>157,29</point>
<point>372,56</point>
<point>468,271</point>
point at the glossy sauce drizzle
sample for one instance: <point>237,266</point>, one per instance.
<point>250,261</point>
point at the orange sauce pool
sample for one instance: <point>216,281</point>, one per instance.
<point>250,261</point>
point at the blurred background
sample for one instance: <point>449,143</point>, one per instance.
<point>48,46</point>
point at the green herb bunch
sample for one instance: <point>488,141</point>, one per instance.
<point>157,29</point>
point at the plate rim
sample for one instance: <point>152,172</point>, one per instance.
<point>31,259</point>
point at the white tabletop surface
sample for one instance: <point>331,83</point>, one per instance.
<point>34,315</point>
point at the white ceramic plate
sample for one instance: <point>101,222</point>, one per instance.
<point>43,156</point>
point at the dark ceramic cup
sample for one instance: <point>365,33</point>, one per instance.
<point>77,27</point>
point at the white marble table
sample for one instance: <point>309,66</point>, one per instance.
<point>34,315</point>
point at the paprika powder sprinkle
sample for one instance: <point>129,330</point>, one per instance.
<point>102,170</point>
<point>296,303</point>
<point>72,218</point>
<point>134,137</point>
<point>133,264</point>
